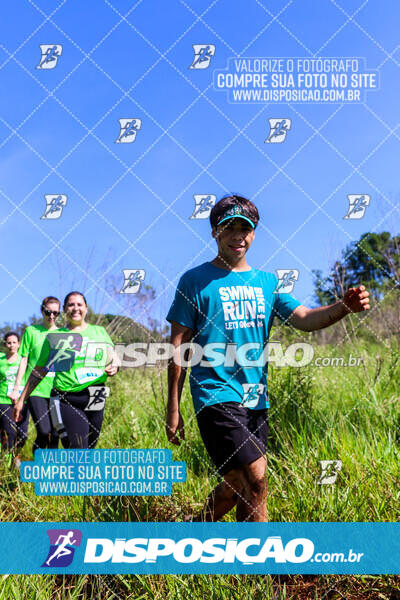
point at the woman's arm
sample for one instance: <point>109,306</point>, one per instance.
<point>38,373</point>
<point>21,372</point>
<point>113,362</point>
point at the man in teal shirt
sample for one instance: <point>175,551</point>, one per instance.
<point>226,308</point>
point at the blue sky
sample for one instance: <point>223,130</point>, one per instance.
<point>129,205</point>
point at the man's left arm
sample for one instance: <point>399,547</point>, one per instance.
<point>309,319</point>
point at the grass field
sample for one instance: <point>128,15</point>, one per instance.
<point>345,413</point>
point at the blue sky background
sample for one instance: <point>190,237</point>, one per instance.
<point>126,59</point>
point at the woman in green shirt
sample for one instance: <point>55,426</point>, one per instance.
<point>31,347</point>
<point>12,434</point>
<point>81,356</point>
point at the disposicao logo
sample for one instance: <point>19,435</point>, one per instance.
<point>191,550</point>
<point>63,543</point>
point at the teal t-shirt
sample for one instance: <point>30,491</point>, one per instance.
<point>31,346</point>
<point>230,309</point>
<point>78,359</point>
<point>8,375</point>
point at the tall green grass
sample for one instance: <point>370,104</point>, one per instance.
<point>345,413</point>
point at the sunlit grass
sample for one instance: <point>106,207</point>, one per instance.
<point>349,414</point>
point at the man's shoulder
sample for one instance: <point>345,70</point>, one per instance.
<point>206,271</point>
<point>267,274</point>
<point>195,273</point>
<point>266,277</point>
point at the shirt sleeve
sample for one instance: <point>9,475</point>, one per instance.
<point>183,309</point>
<point>44,353</point>
<point>107,338</point>
<point>25,346</point>
<point>284,305</point>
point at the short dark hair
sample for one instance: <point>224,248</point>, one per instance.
<point>9,333</point>
<point>230,201</point>
<point>49,299</point>
<point>74,293</point>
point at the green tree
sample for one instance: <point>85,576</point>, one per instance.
<point>372,261</point>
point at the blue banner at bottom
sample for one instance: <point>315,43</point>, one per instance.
<point>179,548</point>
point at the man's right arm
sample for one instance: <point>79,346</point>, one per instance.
<point>176,378</point>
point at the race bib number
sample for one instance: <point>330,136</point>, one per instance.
<point>88,374</point>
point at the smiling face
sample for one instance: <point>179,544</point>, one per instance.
<point>12,344</point>
<point>234,237</point>
<point>75,309</point>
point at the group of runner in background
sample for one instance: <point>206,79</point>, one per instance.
<point>57,375</point>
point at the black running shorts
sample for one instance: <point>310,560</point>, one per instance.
<point>233,435</point>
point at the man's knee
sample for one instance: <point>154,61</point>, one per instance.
<point>233,483</point>
<point>255,478</point>
<point>256,487</point>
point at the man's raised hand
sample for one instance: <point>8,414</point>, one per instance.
<point>356,299</point>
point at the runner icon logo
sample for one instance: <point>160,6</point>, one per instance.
<point>329,471</point>
<point>278,129</point>
<point>54,206</point>
<point>62,350</point>
<point>357,206</point>
<point>63,543</point>
<point>50,55</point>
<point>286,280</point>
<point>203,205</point>
<point>252,393</point>
<point>128,130</point>
<point>202,55</point>
<point>132,280</point>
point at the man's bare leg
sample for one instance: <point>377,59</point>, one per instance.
<point>246,488</point>
<point>221,500</point>
<point>252,501</point>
